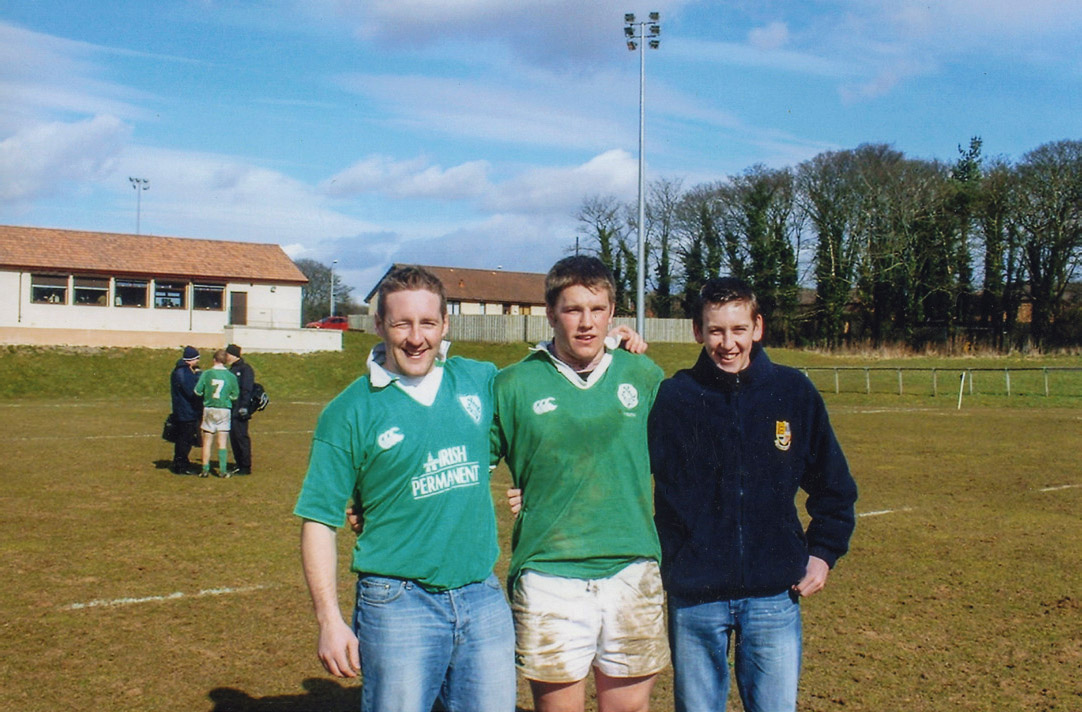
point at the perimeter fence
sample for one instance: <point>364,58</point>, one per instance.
<point>948,381</point>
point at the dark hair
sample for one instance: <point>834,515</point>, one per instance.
<point>582,270</point>
<point>722,290</point>
<point>409,277</point>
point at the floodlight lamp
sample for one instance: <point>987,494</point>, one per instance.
<point>629,17</point>
<point>654,17</point>
<point>655,30</point>
<point>654,44</point>
<point>631,45</point>
<point>629,31</point>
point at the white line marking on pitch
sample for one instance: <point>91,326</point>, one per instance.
<point>1057,488</point>
<point>877,411</point>
<point>881,512</point>
<point>102,603</point>
<point>130,436</point>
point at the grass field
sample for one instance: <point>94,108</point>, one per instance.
<point>129,588</point>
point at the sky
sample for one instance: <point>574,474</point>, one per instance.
<point>468,133</point>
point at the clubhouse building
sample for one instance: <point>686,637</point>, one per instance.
<point>70,287</point>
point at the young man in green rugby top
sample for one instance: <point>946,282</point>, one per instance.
<point>219,389</point>
<point>409,444</point>
<point>571,423</point>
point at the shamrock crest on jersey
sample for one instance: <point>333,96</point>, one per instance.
<point>472,406</point>
<point>629,397</point>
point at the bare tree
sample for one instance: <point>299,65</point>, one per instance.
<point>828,196</point>
<point>661,219</point>
<point>1050,217</point>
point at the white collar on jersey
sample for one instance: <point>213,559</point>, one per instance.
<point>570,373</point>
<point>422,389</point>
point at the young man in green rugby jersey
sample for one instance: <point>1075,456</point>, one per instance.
<point>409,444</point>
<point>571,423</point>
<point>219,389</point>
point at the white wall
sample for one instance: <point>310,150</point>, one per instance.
<point>9,304</point>
<point>254,339</point>
<point>273,306</point>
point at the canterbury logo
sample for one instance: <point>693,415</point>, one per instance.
<point>389,438</point>
<point>545,405</point>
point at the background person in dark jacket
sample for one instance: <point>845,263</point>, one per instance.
<point>238,434</point>
<point>187,409</point>
<point>731,441</point>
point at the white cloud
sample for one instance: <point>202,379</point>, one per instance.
<point>503,241</point>
<point>561,190</point>
<point>34,161</point>
<point>41,75</point>
<point>544,32</point>
<point>537,111</point>
<point>967,21</point>
<point>742,55</point>
<point>771,37</point>
<point>409,179</point>
<point>225,197</point>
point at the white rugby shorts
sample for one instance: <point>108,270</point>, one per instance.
<point>563,626</point>
<point>216,420</point>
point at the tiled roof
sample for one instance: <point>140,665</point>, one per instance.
<point>45,249</point>
<point>483,285</point>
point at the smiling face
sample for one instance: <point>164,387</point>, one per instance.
<point>580,321</point>
<point>412,327</point>
<point>728,332</point>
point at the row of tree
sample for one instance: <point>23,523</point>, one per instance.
<point>868,245</point>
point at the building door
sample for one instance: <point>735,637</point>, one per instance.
<point>238,308</point>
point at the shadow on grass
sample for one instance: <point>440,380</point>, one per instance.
<point>321,695</point>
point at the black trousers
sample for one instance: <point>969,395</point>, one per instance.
<point>187,436</point>
<point>240,442</point>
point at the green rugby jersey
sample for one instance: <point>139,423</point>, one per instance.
<point>218,386</point>
<point>580,456</point>
<point>420,473</point>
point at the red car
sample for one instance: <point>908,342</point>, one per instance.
<point>330,322</point>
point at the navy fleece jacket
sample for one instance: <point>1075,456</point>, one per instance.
<point>729,452</point>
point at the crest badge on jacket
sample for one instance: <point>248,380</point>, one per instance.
<point>783,435</point>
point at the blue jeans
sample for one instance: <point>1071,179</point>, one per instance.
<point>766,659</point>
<point>457,646</point>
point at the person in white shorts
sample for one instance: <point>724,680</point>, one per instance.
<point>571,423</point>
<point>219,389</point>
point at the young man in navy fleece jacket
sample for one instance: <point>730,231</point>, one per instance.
<point>731,441</point>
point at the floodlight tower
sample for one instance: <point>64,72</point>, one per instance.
<point>333,263</point>
<point>139,184</point>
<point>639,35</point>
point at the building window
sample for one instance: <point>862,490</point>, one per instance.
<point>208,296</point>
<point>130,293</point>
<point>91,290</point>
<point>454,307</point>
<point>49,288</point>
<point>170,295</point>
